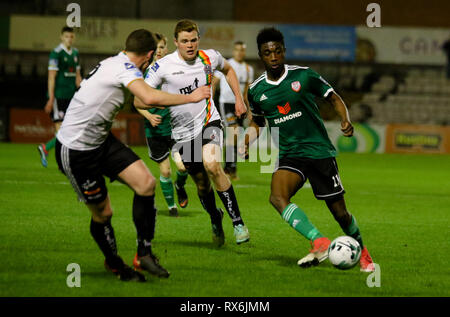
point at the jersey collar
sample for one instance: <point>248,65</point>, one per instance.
<point>279,79</point>
<point>65,49</point>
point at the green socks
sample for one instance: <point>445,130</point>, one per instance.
<point>353,231</point>
<point>167,189</point>
<point>300,222</point>
<point>181,178</point>
<point>50,144</point>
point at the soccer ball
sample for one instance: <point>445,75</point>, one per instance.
<point>344,252</point>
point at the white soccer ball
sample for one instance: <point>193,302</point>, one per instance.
<point>344,252</point>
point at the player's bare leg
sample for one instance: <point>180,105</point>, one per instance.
<point>350,227</point>
<point>182,175</point>
<point>285,184</point>
<point>138,177</point>
<point>212,154</point>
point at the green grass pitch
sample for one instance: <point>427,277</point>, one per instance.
<point>401,202</point>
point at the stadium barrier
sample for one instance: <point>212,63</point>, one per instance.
<point>35,126</point>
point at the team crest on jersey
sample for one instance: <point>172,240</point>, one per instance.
<point>296,86</point>
<point>129,66</point>
<point>155,67</point>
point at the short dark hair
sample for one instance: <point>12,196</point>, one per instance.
<point>185,26</point>
<point>66,29</point>
<point>269,35</point>
<point>140,42</point>
<point>239,43</point>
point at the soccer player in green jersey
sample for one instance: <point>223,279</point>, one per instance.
<point>158,135</point>
<point>285,96</point>
<point>64,78</point>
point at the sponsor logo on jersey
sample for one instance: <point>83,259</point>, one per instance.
<point>155,67</point>
<point>263,97</point>
<point>296,86</point>
<point>188,89</point>
<point>288,117</point>
<point>178,73</point>
<point>129,66</point>
<point>284,109</point>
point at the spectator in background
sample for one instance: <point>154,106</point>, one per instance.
<point>245,74</point>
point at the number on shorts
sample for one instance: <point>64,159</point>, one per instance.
<point>336,180</point>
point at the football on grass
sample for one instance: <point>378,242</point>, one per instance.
<point>344,252</point>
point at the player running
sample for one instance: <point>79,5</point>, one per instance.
<point>197,127</point>
<point>86,151</point>
<point>64,78</point>
<point>284,95</point>
<point>159,142</point>
<point>245,74</point>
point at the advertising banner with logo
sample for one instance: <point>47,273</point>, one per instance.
<point>107,36</point>
<point>401,45</point>
<point>366,138</point>
<point>319,43</point>
<point>403,138</point>
<point>35,126</point>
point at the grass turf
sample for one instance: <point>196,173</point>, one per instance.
<point>401,203</point>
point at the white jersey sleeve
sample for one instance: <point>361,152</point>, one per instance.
<point>91,112</point>
<point>152,77</point>
<point>128,74</point>
<point>217,60</point>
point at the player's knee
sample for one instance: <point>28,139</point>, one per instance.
<point>146,186</point>
<point>213,168</point>
<point>165,172</point>
<point>278,201</point>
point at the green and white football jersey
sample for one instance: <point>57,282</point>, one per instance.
<point>66,62</point>
<point>289,104</point>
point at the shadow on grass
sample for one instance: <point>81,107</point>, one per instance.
<point>182,213</point>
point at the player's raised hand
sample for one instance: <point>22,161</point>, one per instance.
<point>347,128</point>
<point>200,93</point>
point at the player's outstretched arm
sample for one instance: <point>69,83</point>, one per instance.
<point>233,82</point>
<point>153,97</point>
<point>342,111</point>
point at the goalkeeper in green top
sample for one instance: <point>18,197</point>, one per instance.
<point>64,78</point>
<point>284,96</point>
<point>158,132</point>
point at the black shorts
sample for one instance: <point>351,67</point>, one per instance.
<point>59,109</point>
<point>159,147</point>
<point>85,169</point>
<point>323,175</point>
<point>192,152</point>
<point>227,111</point>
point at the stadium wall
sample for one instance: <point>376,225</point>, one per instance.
<point>34,126</point>
<point>315,43</point>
